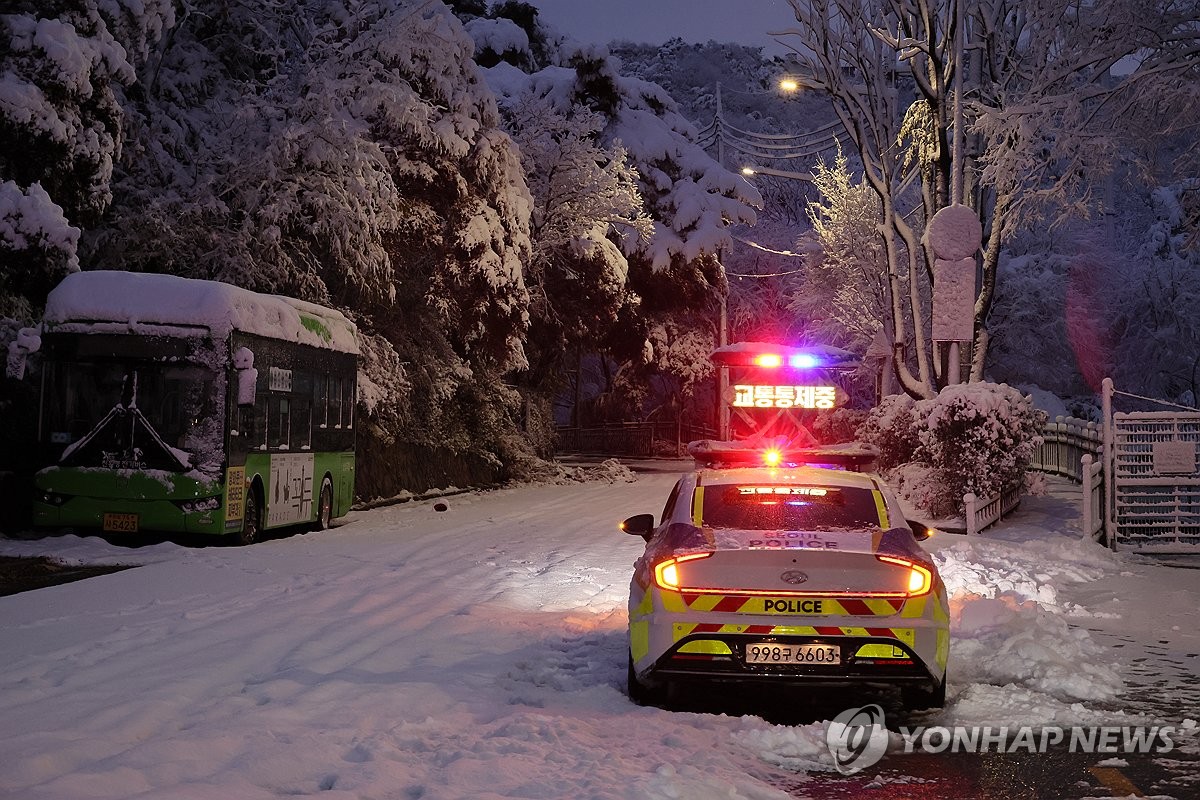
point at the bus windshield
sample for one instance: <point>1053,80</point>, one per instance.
<point>177,403</point>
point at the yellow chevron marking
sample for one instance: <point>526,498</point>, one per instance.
<point>914,607</point>
<point>645,606</point>
<point>830,607</point>
<point>706,602</point>
<point>793,630</point>
<point>880,607</point>
<point>639,639</point>
<point>673,601</point>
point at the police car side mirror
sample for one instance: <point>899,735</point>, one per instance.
<point>639,525</point>
<point>920,530</point>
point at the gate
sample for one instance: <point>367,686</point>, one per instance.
<point>1150,461</point>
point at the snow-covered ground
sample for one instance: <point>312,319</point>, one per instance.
<point>480,653</point>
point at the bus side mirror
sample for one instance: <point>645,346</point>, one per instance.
<point>27,342</point>
<point>243,362</point>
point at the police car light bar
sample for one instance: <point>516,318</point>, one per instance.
<point>776,356</point>
<point>726,455</point>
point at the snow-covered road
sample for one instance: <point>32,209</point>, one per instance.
<point>480,653</point>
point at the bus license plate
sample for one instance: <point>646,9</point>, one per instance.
<point>771,653</point>
<point>121,523</point>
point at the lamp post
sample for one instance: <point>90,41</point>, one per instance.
<point>788,85</point>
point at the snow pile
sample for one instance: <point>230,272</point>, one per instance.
<point>799,748</point>
<point>1000,641</point>
<point>1009,626</point>
<point>611,470</point>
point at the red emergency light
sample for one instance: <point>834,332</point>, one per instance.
<point>776,356</point>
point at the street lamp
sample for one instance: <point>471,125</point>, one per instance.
<point>789,85</point>
<point>751,169</point>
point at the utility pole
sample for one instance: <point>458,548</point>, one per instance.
<point>723,432</point>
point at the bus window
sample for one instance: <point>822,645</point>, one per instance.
<point>302,402</point>
<point>350,402</point>
<point>335,402</point>
<point>281,422</point>
<point>258,428</point>
<point>321,400</point>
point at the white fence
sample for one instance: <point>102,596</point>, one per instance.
<point>983,513</point>
<point>1093,497</point>
<point>1070,448</point>
<point>1065,442</point>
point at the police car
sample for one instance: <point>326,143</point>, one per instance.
<point>785,568</point>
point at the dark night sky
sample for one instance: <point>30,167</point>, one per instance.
<point>655,21</point>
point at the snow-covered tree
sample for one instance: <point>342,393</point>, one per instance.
<point>65,63</point>
<point>347,153</point>
<point>586,201</point>
<point>689,200</point>
<point>1040,98</point>
<point>846,286</point>
<point>1156,329</point>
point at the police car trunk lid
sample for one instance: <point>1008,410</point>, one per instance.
<point>829,563</point>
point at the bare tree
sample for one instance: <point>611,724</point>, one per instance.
<point>1042,99</point>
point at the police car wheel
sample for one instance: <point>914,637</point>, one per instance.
<point>642,694</point>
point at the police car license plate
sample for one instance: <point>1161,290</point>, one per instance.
<point>121,523</point>
<point>773,653</point>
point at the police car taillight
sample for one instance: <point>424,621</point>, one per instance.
<point>920,579</point>
<point>666,573</point>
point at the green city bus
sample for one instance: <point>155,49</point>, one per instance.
<point>187,406</point>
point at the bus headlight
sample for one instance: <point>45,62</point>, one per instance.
<point>53,499</point>
<point>203,504</point>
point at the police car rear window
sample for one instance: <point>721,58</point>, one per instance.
<point>770,507</point>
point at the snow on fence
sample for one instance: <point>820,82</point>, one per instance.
<point>1093,497</point>
<point>1065,442</point>
<point>983,513</point>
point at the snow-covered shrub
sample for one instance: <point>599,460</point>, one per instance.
<point>839,425</point>
<point>890,427</point>
<point>972,437</point>
<point>975,437</point>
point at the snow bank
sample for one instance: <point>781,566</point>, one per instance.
<point>1009,626</point>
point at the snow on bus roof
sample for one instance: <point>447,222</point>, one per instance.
<point>138,298</point>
